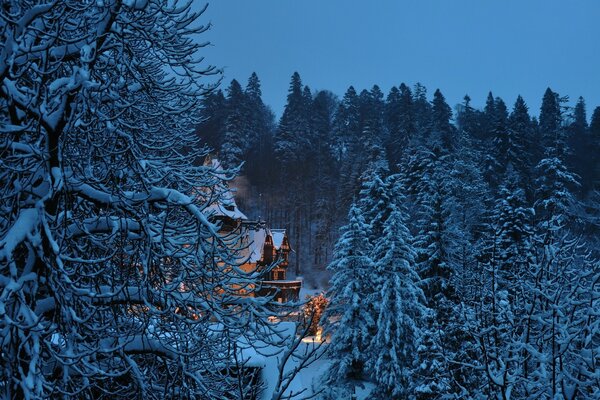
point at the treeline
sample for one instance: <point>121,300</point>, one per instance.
<point>303,171</point>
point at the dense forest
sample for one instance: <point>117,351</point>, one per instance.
<point>304,171</point>
<point>466,266</point>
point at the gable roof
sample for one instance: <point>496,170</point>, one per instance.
<point>278,235</point>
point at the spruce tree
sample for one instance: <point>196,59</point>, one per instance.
<point>550,125</point>
<point>580,160</point>
<point>376,200</point>
<point>324,176</point>
<point>213,115</point>
<point>422,111</point>
<point>399,310</point>
<point>293,132</point>
<point>351,132</point>
<point>525,151</point>
<point>349,317</point>
<point>441,115</point>
<point>260,126</point>
<point>502,145</point>
<point>235,140</point>
<point>399,120</point>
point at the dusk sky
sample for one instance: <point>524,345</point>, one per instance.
<point>465,46</point>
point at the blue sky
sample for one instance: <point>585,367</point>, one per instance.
<point>460,46</point>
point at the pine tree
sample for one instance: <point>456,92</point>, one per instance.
<point>445,346</point>
<point>468,119</point>
<point>422,111</point>
<point>514,232</point>
<point>235,140</point>
<point>293,133</point>
<point>489,112</point>
<point>323,173</point>
<point>550,125</point>
<point>347,124</point>
<point>441,115</point>
<point>579,140</point>
<point>349,317</point>
<point>376,200</point>
<point>502,145</point>
<point>399,310</point>
<point>399,120</point>
<point>213,115</point>
<point>350,133</point>
<point>525,146</point>
<point>260,125</point>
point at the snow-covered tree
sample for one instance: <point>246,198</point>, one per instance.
<point>235,139</point>
<point>349,316</point>
<point>376,200</point>
<point>112,274</point>
<point>292,136</point>
<point>399,119</point>
<point>400,310</point>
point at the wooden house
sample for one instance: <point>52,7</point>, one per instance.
<point>259,248</point>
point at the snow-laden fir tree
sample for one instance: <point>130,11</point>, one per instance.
<point>499,311</point>
<point>292,135</point>
<point>349,316</point>
<point>376,201</point>
<point>400,310</point>
<point>521,138</point>
<point>235,140</point>
<point>441,115</point>
<point>400,124</point>
<point>440,372</point>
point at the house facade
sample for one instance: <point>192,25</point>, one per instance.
<point>259,248</point>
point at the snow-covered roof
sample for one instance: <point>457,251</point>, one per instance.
<point>256,239</point>
<point>226,206</point>
<point>278,235</point>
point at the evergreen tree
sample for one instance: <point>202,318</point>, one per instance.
<point>399,310</point>
<point>550,125</point>
<point>399,120</point>
<point>445,334</point>
<point>235,140</point>
<point>503,150</point>
<point>489,112</point>
<point>468,119</point>
<point>260,126</point>
<point>323,172</point>
<point>525,153</point>
<point>376,200</point>
<point>213,115</point>
<point>580,160</point>
<point>349,317</point>
<point>508,258</point>
<point>514,231</point>
<point>422,111</point>
<point>293,133</point>
<point>347,124</point>
<point>351,134</point>
<point>441,115</point>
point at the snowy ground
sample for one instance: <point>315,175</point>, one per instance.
<point>307,380</point>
